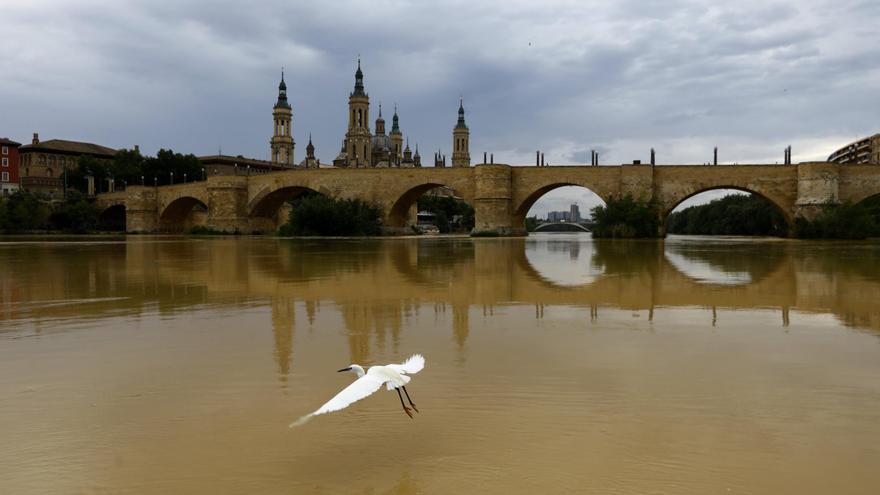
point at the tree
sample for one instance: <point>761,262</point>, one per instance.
<point>22,212</point>
<point>452,214</point>
<point>626,217</point>
<point>736,214</point>
<point>75,215</point>
<point>316,214</point>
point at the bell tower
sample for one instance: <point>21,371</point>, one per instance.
<point>396,136</point>
<point>461,156</point>
<point>281,145</point>
<point>358,146</point>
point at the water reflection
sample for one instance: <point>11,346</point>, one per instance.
<point>379,284</point>
<point>565,262</point>
<point>140,363</point>
<point>724,261</point>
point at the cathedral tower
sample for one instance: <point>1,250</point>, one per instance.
<point>396,136</point>
<point>281,145</point>
<point>461,157</point>
<point>357,139</point>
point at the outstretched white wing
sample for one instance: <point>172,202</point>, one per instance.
<point>362,387</point>
<point>411,366</point>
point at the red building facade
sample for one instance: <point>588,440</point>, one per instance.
<point>8,166</point>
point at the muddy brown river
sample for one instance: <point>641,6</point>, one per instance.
<point>555,364</point>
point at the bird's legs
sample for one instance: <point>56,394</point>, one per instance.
<point>410,400</point>
<point>407,410</point>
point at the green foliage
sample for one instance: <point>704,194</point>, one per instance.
<point>845,221</point>
<point>532,223</point>
<point>75,215</point>
<point>736,214</point>
<point>626,217</point>
<point>129,166</point>
<point>22,212</point>
<point>317,215</point>
<point>27,212</point>
<point>453,215</point>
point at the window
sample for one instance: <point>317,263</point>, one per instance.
<point>6,150</point>
<point>4,177</point>
<point>6,162</point>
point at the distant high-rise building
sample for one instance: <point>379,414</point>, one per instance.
<point>865,150</point>
<point>574,213</point>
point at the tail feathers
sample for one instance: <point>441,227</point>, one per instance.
<point>301,421</point>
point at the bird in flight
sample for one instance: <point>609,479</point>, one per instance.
<point>393,376</point>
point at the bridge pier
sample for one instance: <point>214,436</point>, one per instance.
<point>227,204</point>
<point>141,213</point>
<point>818,185</point>
<point>493,211</point>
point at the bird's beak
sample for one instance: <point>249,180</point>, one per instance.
<point>344,369</point>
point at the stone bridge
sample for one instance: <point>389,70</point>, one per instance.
<point>501,195</point>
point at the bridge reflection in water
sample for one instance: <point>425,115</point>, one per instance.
<point>379,286</point>
<point>134,364</point>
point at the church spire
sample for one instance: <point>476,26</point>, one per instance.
<point>461,124</point>
<point>395,121</point>
<point>359,81</point>
<point>282,93</point>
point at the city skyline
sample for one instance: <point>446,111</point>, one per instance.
<point>681,78</point>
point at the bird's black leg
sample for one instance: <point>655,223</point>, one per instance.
<point>410,400</point>
<point>407,410</point>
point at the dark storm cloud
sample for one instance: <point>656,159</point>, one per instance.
<point>561,76</point>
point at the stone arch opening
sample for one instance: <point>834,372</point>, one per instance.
<point>558,197</point>
<point>762,215</point>
<point>268,210</point>
<point>183,214</point>
<point>452,211</point>
<point>112,218</point>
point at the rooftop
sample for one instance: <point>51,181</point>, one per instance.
<point>61,145</point>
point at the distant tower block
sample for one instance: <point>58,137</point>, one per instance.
<point>357,139</point>
<point>461,156</point>
<point>281,145</point>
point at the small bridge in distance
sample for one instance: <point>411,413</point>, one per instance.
<point>564,227</point>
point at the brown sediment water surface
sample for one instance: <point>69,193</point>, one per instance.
<point>555,364</point>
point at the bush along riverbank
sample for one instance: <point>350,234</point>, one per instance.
<point>318,215</point>
<point>737,214</point>
<point>844,221</point>
<point>626,217</point>
<point>23,212</point>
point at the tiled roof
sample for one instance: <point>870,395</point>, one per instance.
<point>70,147</point>
<point>9,142</point>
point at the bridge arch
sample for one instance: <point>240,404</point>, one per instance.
<point>112,217</point>
<point>182,213</point>
<point>522,209</point>
<point>398,213</point>
<point>668,206</point>
<point>268,201</point>
<point>265,211</point>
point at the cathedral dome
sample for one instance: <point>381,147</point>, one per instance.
<point>382,142</point>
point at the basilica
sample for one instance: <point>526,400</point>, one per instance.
<point>360,147</point>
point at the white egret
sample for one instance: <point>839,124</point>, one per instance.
<point>393,376</point>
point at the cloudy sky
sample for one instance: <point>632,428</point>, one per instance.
<point>564,77</point>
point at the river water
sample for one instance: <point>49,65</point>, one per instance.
<point>555,364</point>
